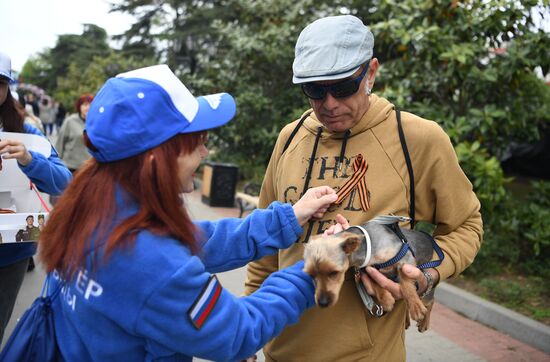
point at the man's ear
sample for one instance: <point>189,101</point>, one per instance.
<point>371,73</point>
<point>350,243</point>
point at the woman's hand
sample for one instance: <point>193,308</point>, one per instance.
<point>314,203</point>
<point>15,149</point>
<point>341,224</point>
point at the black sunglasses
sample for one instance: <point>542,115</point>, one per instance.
<point>342,89</point>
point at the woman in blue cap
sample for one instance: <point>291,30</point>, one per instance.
<point>49,174</point>
<point>136,272</point>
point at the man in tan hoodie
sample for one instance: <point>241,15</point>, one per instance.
<point>350,129</point>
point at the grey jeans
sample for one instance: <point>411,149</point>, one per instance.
<point>11,278</point>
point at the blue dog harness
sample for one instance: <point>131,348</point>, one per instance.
<point>405,247</point>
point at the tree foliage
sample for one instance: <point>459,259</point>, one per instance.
<point>49,66</point>
<point>79,64</point>
<point>78,81</point>
<point>178,30</point>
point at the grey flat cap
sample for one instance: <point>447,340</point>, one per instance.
<point>331,48</point>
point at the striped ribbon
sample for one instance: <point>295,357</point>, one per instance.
<point>360,167</point>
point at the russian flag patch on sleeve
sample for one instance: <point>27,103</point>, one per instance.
<point>203,305</point>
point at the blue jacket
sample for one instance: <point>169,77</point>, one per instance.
<point>139,304</point>
<point>50,175</point>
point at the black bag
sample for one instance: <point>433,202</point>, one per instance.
<point>33,338</point>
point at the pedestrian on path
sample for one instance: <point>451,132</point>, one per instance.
<point>351,140</point>
<point>69,142</point>
<point>136,272</point>
<point>47,114</point>
<point>49,174</point>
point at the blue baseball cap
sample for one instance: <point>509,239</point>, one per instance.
<point>331,48</point>
<point>5,67</point>
<point>139,110</point>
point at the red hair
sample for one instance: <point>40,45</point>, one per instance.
<point>85,98</point>
<point>89,205</point>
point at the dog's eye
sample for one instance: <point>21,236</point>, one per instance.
<point>333,274</point>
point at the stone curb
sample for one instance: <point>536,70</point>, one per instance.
<point>493,315</point>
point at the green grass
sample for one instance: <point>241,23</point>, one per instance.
<point>529,296</point>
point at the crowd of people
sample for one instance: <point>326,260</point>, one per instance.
<point>137,268</point>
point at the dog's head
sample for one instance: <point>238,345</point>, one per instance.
<point>326,260</point>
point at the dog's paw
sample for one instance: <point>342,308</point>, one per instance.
<point>387,301</point>
<point>423,325</point>
<point>417,311</point>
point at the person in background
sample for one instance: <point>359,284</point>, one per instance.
<point>30,118</point>
<point>149,268</point>
<point>49,175</point>
<point>47,115</point>
<point>69,139</point>
<point>34,107</point>
<point>349,140</point>
<point>60,115</point>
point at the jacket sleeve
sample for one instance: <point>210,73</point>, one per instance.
<point>50,174</point>
<point>231,243</point>
<point>231,328</point>
<point>456,209</point>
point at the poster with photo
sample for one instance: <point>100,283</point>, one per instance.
<point>16,195</point>
<point>21,226</point>
<point>11,176</point>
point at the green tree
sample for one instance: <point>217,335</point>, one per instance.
<point>78,81</point>
<point>36,69</point>
<point>80,50</point>
<point>180,30</point>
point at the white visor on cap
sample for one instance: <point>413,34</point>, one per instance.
<point>181,97</point>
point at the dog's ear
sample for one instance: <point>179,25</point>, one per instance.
<point>350,243</point>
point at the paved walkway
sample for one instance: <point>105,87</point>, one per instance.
<point>451,338</point>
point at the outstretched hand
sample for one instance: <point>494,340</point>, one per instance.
<point>341,224</point>
<point>314,203</point>
<point>15,149</point>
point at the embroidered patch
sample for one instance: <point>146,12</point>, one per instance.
<point>203,305</point>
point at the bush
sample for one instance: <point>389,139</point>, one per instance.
<point>517,236</point>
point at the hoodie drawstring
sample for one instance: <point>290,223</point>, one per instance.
<point>312,159</point>
<point>343,149</point>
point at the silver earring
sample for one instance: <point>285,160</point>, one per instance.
<point>369,91</point>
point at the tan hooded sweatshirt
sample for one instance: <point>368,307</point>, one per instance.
<point>444,197</point>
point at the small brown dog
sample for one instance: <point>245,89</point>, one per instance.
<point>327,258</point>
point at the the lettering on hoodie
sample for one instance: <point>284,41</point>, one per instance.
<point>84,287</point>
<point>329,168</point>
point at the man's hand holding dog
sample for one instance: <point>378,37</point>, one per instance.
<point>374,276</point>
<point>314,203</point>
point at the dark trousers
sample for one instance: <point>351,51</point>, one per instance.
<point>11,278</point>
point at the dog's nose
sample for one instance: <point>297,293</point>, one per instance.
<point>324,301</point>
